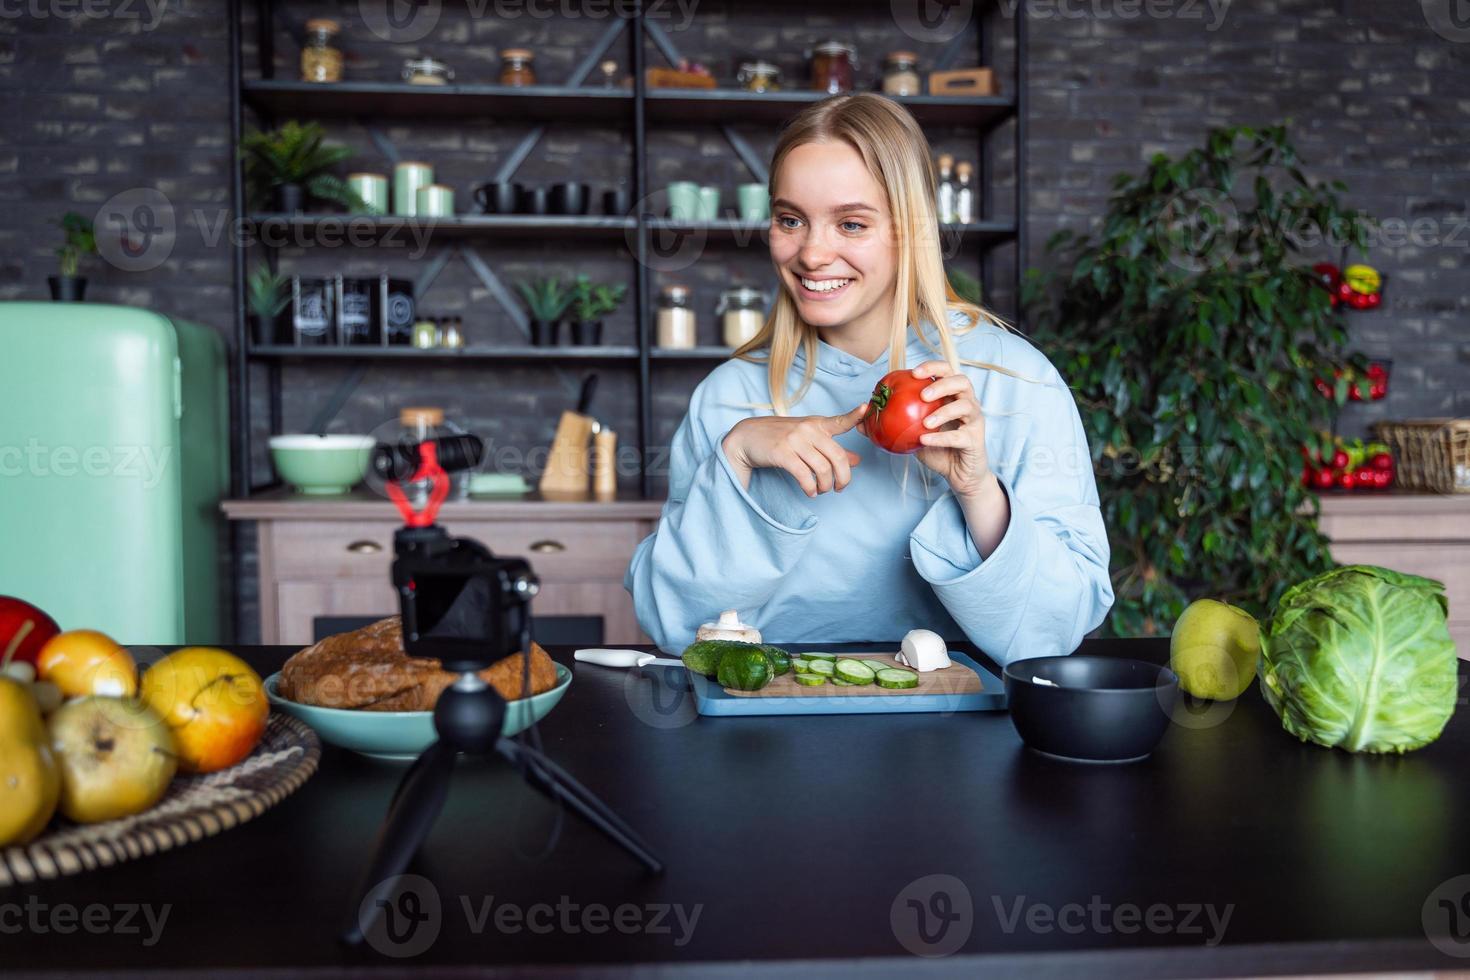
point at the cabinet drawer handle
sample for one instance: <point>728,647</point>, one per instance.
<point>364,547</point>
<point>547,547</point>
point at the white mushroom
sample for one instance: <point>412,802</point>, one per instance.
<point>924,650</point>
<point>729,627</point>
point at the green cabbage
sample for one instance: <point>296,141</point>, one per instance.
<point>1360,658</point>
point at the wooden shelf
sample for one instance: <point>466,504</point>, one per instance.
<point>691,354</point>
<point>380,99</point>
<point>458,226</point>
<point>556,102</point>
<point>286,352</point>
<point>737,106</point>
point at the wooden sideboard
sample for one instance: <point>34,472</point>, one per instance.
<point>330,556</point>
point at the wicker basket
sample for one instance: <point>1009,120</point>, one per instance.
<point>1429,454</point>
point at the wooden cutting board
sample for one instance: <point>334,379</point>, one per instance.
<point>954,679</point>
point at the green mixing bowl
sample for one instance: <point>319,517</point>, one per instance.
<point>321,464</point>
<point>399,736</point>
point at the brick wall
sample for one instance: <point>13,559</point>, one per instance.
<point>107,98</point>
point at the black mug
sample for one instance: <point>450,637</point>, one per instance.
<point>535,200</point>
<point>615,201</point>
<point>498,198</point>
<point>569,197</point>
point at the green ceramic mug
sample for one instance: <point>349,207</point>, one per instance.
<point>684,200</point>
<point>372,188</point>
<point>435,201</point>
<point>408,177</point>
<point>755,202</point>
<point>709,203</point>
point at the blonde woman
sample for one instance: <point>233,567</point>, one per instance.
<point>780,507</point>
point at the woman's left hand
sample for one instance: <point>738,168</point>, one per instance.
<point>954,446</point>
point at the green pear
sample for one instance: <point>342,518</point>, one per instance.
<point>1214,648</point>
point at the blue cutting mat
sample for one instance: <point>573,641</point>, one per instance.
<point>711,699</point>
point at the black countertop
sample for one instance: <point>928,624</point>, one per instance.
<point>797,842</point>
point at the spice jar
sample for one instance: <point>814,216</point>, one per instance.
<point>675,320</point>
<point>759,76</point>
<point>742,313</point>
<point>515,67</point>
<point>900,73</point>
<point>320,61</point>
<point>451,333</point>
<point>832,67</point>
<point>425,333</point>
<point>426,71</point>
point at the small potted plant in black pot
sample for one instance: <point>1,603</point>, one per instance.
<point>590,303</point>
<point>266,297</point>
<point>70,287</point>
<point>286,167</point>
<point>546,300</point>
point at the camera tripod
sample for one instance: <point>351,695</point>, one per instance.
<point>470,609</point>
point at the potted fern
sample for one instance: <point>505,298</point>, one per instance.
<point>546,300</point>
<point>266,297</point>
<point>289,165</point>
<point>79,241</point>
<point>1190,327</point>
<point>590,303</point>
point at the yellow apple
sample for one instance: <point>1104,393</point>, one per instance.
<point>213,701</point>
<point>30,782</point>
<point>1214,648</point>
<point>86,662</point>
<point>117,757</point>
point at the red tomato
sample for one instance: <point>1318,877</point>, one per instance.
<point>897,411</point>
<point>1324,479</point>
<point>1382,461</point>
<point>24,628</point>
<point>1348,481</point>
<point>1339,460</point>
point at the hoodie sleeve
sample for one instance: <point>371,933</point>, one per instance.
<point>1047,584</point>
<point>717,545</point>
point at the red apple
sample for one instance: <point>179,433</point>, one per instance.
<point>24,630</point>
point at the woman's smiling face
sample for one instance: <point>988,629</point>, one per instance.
<point>832,240</point>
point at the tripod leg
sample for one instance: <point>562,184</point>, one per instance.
<point>415,807</point>
<point>556,783</point>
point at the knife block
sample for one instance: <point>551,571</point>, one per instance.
<point>566,467</point>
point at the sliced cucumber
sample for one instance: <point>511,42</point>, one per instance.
<point>896,679</point>
<point>829,657</point>
<point>824,667</point>
<point>798,664</point>
<point>854,671</point>
<point>839,682</point>
<point>810,680</point>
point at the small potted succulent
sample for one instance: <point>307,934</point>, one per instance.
<point>290,165</point>
<point>266,297</point>
<point>80,240</point>
<point>590,303</point>
<point>546,300</point>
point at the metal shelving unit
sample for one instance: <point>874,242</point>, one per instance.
<point>637,107</point>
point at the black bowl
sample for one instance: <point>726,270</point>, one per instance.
<point>1095,709</point>
<point>570,198</point>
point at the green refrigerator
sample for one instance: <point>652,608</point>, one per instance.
<point>114,457</point>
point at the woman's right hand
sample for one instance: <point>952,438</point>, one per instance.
<point>804,447</point>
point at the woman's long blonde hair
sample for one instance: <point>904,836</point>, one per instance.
<point>896,153</point>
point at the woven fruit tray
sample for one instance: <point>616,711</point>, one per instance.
<point>194,807</point>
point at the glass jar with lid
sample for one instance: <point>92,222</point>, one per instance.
<point>675,320</point>
<point>321,61</point>
<point>515,67</point>
<point>832,67</point>
<point>427,71</point>
<point>742,313</point>
<point>901,74</point>
<point>759,76</point>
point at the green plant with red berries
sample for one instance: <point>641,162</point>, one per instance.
<point>1192,329</point>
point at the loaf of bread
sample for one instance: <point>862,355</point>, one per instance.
<point>368,669</point>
